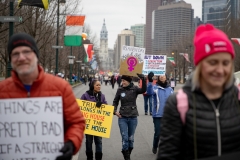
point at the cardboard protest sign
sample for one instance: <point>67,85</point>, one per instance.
<point>155,64</point>
<point>31,128</point>
<point>98,120</point>
<point>131,61</point>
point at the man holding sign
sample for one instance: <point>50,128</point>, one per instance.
<point>28,81</point>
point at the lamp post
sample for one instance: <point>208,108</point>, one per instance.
<point>11,25</point>
<point>79,70</point>
<point>175,68</point>
<point>58,2</point>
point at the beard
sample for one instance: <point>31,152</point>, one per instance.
<point>23,72</point>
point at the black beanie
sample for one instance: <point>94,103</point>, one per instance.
<point>127,78</point>
<point>22,39</point>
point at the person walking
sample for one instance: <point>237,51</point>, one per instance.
<point>94,94</point>
<point>148,95</point>
<point>113,81</point>
<point>28,80</point>
<point>119,80</point>
<point>127,114</point>
<point>161,91</point>
<point>210,126</point>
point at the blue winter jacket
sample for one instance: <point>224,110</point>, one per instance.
<point>160,96</point>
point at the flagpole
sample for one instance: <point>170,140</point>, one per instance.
<point>11,25</point>
<point>56,68</point>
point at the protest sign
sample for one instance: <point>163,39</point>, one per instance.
<point>155,64</point>
<point>98,120</point>
<point>31,128</point>
<point>131,61</point>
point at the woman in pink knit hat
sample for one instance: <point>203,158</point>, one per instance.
<point>210,126</point>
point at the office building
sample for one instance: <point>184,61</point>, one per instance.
<point>139,31</point>
<point>220,12</point>
<point>126,37</point>
<point>170,24</point>
<point>151,5</point>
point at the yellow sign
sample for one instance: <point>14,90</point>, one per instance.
<point>98,120</point>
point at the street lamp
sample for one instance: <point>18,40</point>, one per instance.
<point>59,2</point>
<point>79,70</point>
<point>175,68</point>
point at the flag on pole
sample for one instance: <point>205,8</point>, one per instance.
<point>171,59</point>
<point>73,31</point>
<point>185,55</point>
<point>36,3</point>
<point>236,40</point>
<point>88,48</point>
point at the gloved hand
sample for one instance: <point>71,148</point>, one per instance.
<point>67,151</point>
<point>150,76</point>
<point>98,104</point>
<point>141,76</point>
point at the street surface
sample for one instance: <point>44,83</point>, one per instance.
<point>112,147</point>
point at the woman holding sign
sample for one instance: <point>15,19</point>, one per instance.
<point>94,94</point>
<point>127,116</point>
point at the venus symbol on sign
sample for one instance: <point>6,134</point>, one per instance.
<point>132,62</point>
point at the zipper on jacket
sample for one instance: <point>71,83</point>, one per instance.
<point>218,127</point>
<point>28,94</point>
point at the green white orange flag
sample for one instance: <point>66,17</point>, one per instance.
<point>73,31</point>
<point>171,59</point>
<point>88,49</point>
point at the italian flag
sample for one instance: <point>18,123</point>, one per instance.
<point>88,49</point>
<point>73,31</point>
<point>171,59</point>
<point>236,40</point>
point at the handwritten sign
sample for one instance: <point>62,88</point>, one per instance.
<point>131,61</point>
<point>155,64</point>
<point>31,128</point>
<point>98,120</point>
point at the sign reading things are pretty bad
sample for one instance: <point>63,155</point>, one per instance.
<point>155,64</point>
<point>31,128</point>
<point>131,61</point>
<point>98,120</point>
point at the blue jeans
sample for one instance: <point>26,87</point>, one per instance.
<point>146,98</point>
<point>157,129</point>
<point>89,141</point>
<point>127,129</point>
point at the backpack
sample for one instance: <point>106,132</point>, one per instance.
<point>182,103</point>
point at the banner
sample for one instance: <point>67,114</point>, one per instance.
<point>73,31</point>
<point>185,55</point>
<point>31,128</point>
<point>155,64</point>
<point>131,61</point>
<point>36,3</point>
<point>171,59</point>
<point>98,120</point>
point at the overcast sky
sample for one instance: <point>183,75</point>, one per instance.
<point>120,14</point>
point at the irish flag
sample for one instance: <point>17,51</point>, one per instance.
<point>171,59</point>
<point>88,49</point>
<point>73,31</point>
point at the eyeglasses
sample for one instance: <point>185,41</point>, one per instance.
<point>15,55</point>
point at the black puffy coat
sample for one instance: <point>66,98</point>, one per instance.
<point>217,128</point>
<point>128,97</point>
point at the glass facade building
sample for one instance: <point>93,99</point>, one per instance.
<point>219,12</point>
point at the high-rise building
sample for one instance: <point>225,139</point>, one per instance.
<point>139,31</point>
<point>220,12</point>
<point>151,5</point>
<point>196,22</point>
<point>126,37</point>
<point>170,23</point>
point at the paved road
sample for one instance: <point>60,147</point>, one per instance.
<point>112,146</point>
